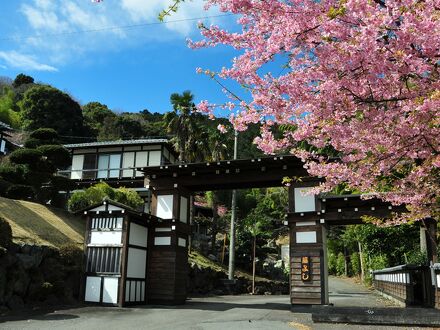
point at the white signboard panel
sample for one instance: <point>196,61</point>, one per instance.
<point>162,241</point>
<point>183,216</point>
<point>303,202</point>
<point>106,237</point>
<point>165,206</point>
<point>306,237</point>
<point>93,288</point>
<point>138,235</point>
<point>110,290</point>
<point>136,264</point>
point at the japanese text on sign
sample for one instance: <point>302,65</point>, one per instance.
<point>305,269</point>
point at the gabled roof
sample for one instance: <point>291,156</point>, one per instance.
<point>116,143</point>
<point>128,209</point>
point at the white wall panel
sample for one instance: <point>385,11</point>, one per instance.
<point>165,206</point>
<point>136,263</point>
<point>303,203</point>
<point>106,237</point>
<point>128,161</point>
<point>183,217</point>
<point>2,146</point>
<point>138,235</point>
<point>77,166</point>
<point>110,290</point>
<point>141,161</point>
<point>154,158</point>
<point>93,289</point>
<point>162,241</point>
<point>306,237</point>
<point>181,242</point>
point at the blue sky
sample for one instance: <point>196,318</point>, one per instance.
<point>128,69</point>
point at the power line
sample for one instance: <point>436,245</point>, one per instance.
<point>110,28</point>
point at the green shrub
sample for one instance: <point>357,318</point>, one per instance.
<point>12,173</point>
<point>5,233</point>
<point>355,263</point>
<point>418,258</point>
<point>61,183</point>
<point>378,262</point>
<point>56,154</point>
<point>25,156</point>
<point>48,135</point>
<point>32,143</point>
<point>340,264</point>
<point>332,260</point>
<point>95,194</point>
<point>4,185</point>
<point>20,191</point>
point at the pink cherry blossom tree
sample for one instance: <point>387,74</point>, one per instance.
<point>360,78</point>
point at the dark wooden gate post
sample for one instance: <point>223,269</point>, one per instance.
<point>168,259</point>
<point>308,255</point>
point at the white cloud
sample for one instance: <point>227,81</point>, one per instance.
<point>56,26</point>
<point>26,62</point>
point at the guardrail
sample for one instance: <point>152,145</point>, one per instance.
<point>408,284</point>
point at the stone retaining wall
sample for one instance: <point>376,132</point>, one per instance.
<point>38,275</point>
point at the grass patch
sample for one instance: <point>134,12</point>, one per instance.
<point>38,224</point>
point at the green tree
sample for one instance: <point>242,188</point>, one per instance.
<point>22,79</point>
<point>45,106</point>
<point>95,194</point>
<point>94,114</point>
<point>256,224</point>
<point>32,170</point>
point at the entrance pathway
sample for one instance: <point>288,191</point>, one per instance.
<point>345,292</point>
<point>206,313</point>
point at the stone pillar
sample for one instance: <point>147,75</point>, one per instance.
<point>168,260</point>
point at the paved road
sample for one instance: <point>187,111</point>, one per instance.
<point>221,312</point>
<point>347,293</point>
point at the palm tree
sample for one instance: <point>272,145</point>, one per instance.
<point>184,123</point>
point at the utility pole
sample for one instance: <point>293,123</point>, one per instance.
<point>231,268</point>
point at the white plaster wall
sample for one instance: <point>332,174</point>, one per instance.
<point>106,237</point>
<point>183,216</point>
<point>138,235</point>
<point>93,288</point>
<point>110,290</point>
<point>165,206</point>
<point>136,263</point>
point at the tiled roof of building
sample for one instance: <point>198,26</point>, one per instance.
<point>5,127</point>
<point>115,143</point>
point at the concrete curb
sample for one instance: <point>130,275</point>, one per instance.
<point>425,317</point>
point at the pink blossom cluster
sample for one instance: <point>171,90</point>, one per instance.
<point>361,78</point>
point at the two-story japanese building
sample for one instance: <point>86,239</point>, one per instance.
<point>4,134</point>
<point>115,163</point>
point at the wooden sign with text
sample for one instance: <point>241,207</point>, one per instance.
<point>305,269</point>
